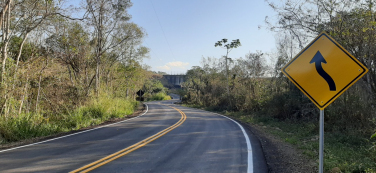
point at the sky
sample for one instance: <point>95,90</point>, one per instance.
<point>181,32</point>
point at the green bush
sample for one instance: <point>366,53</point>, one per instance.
<point>160,96</point>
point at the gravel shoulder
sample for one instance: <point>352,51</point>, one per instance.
<point>281,157</point>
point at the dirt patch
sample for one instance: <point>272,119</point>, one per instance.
<point>139,111</point>
<point>282,157</point>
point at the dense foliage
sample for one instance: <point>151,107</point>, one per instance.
<point>61,72</point>
<point>259,88</point>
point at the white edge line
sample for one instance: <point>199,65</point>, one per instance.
<point>249,146</point>
<point>23,146</point>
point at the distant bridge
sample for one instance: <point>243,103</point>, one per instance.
<point>174,80</point>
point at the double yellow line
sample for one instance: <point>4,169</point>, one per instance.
<point>125,151</point>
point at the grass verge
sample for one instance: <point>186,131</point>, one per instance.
<point>27,126</point>
<point>349,153</point>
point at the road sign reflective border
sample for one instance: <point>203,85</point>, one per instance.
<point>324,70</point>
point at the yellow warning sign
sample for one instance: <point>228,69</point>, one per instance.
<point>324,70</point>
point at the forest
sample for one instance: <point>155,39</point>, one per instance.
<point>253,89</point>
<point>64,67</point>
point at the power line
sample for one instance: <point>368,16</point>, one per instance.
<point>151,50</point>
<point>162,29</point>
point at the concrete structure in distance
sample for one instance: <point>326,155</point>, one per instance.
<point>175,80</point>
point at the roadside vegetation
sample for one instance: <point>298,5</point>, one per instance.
<point>254,91</point>
<point>160,96</point>
<point>61,71</point>
<point>154,89</point>
<point>97,111</point>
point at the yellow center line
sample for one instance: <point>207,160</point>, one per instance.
<point>129,149</point>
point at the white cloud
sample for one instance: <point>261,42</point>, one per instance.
<point>176,64</point>
<point>165,67</point>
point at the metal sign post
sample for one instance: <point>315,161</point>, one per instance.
<point>321,148</point>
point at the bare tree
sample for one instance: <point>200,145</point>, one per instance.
<point>229,46</point>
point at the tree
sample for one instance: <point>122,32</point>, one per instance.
<point>229,46</point>
<point>351,23</point>
<point>19,18</point>
<point>106,17</point>
<point>71,45</point>
<point>195,84</point>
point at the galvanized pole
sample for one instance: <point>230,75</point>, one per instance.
<point>321,152</point>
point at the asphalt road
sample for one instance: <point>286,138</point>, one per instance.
<point>173,139</point>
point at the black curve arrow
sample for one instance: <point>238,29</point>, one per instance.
<point>318,59</point>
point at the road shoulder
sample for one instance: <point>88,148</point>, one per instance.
<point>281,157</point>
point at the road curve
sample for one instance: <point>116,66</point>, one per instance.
<point>203,142</point>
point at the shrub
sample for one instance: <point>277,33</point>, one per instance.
<point>25,126</point>
<point>160,96</point>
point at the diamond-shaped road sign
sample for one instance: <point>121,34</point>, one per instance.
<point>324,70</point>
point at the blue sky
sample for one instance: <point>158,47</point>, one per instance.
<point>188,29</point>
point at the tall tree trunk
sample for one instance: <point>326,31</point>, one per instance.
<point>97,78</point>
<point>3,108</point>
<point>39,86</point>
<point>99,49</point>
<point>23,96</point>
<point>70,74</point>
<point>36,104</point>
<point>6,25</point>
<point>20,50</point>
<point>18,59</point>
<point>2,13</point>
<point>4,56</point>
